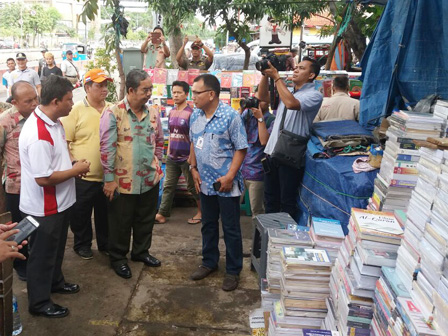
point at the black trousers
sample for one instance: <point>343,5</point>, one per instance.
<point>136,213</point>
<point>89,195</point>
<point>281,188</point>
<point>47,246</point>
<point>12,205</point>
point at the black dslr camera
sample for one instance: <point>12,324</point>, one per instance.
<point>249,102</point>
<point>278,62</point>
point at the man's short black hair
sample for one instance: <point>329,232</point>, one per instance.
<point>54,87</point>
<point>210,82</point>
<point>183,85</point>
<point>315,67</point>
<point>10,59</point>
<point>134,78</point>
<point>341,82</point>
<point>160,28</point>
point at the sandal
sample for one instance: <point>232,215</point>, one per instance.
<point>193,221</point>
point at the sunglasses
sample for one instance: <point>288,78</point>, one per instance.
<point>195,48</point>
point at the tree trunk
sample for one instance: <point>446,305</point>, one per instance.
<point>356,39</point>
<point>175,44</point>
<point>247,55</point>
<point>335,40</point>
<point>121,73</point>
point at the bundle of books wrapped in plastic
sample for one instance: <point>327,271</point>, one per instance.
<point>298,274</point>
<point>398,173</point>
<point>373,241</point>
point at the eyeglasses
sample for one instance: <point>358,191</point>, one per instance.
<point>196,93</point>
<point>195,48</point>
<point>147,90</point>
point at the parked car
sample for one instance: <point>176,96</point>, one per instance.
<point>233,61</point>
<point>6,44</point>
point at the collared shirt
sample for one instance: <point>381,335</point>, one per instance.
<point>82,130</point>
<point>179,126</point>
<point>69,68</point>
<point>11,123</point>
<point>43,151</point>
<point>252,168</point>
<point>297,121</point>
<point>27,75</point>
<point>155,56</point>
<point>215,142</point>
<point>338,107</point>
<point>131,149</point>
<point>202,64</point>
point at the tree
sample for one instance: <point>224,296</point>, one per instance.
<point>113,34</point>
<point>174,13</point>
<point>238,15</point>
<point>38,20</point>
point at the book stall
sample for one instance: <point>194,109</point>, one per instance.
<point>235,86</point>
<point>384,271</point>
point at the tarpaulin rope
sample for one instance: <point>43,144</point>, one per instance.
<point>335,191</point>
<point>347,19</point>
<point>323,199</point>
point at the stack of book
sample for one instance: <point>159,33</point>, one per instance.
<point>399,173</point>
<point>327,234</point>
<point>279,238</point>
<point>305,285</point>
<point>388,289</point>
<point>373,241</point>
<point>441,111</point>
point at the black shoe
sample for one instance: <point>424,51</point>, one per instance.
<point>68,288</point>
<point>85,253</point>
<point>148,260</point>
<point>123,271</point>
<point>53,311</point>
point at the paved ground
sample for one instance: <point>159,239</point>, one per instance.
<point>161,301</point>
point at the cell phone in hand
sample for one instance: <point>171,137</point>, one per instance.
<point>217,186</point>
<point>155,37</point>
<point>26,226</point>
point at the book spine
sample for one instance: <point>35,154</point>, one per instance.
<point>405,171</point>
<point>405,157</point>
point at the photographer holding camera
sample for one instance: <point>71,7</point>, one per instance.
<point>258,122</point>
<point>287,144</point>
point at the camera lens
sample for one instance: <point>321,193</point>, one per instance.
<point>262,65</point>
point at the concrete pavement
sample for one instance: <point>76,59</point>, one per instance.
<point>155,301</point>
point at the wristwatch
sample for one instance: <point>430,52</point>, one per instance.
<point>260,120</point>
<point>193,167</point>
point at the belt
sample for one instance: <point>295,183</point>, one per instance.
<point>71,76</point>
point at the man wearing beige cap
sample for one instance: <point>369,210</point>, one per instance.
<point>23,73</point>
<point>197,61</point>
<point>82,134</point>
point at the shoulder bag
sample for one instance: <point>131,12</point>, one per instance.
<point>290,148</point>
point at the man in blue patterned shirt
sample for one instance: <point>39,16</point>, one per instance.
<point>218,146</point>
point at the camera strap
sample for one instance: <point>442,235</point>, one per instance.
<point>282,123</point>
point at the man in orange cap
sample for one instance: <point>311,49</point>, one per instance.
<point>82,132</point>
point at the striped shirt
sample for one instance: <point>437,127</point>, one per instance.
<point>179,126</point>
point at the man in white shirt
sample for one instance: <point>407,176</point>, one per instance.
<point>11,64</point>
<point>69,69</point>
<point>47,193</point>
<point>23,73</point>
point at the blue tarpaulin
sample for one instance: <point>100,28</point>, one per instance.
<point>330,189</point>
<point>406,59</point>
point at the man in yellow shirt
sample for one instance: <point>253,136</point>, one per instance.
<point>82,132</point>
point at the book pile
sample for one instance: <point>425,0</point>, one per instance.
<point>399,173</point>
<point>305,286</point>
<point>281,325</point>
<point>327,234</point>
<point>441,111</point>
<point>386,319</point>
<point>373,241</point>
<point>279,238</point>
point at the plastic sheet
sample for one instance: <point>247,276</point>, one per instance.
<point>330,189</point>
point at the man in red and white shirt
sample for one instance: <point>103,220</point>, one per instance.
<point>47,193</point>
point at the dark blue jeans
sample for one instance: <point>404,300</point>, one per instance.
<point>229,209</point>
<point>281,189</point>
